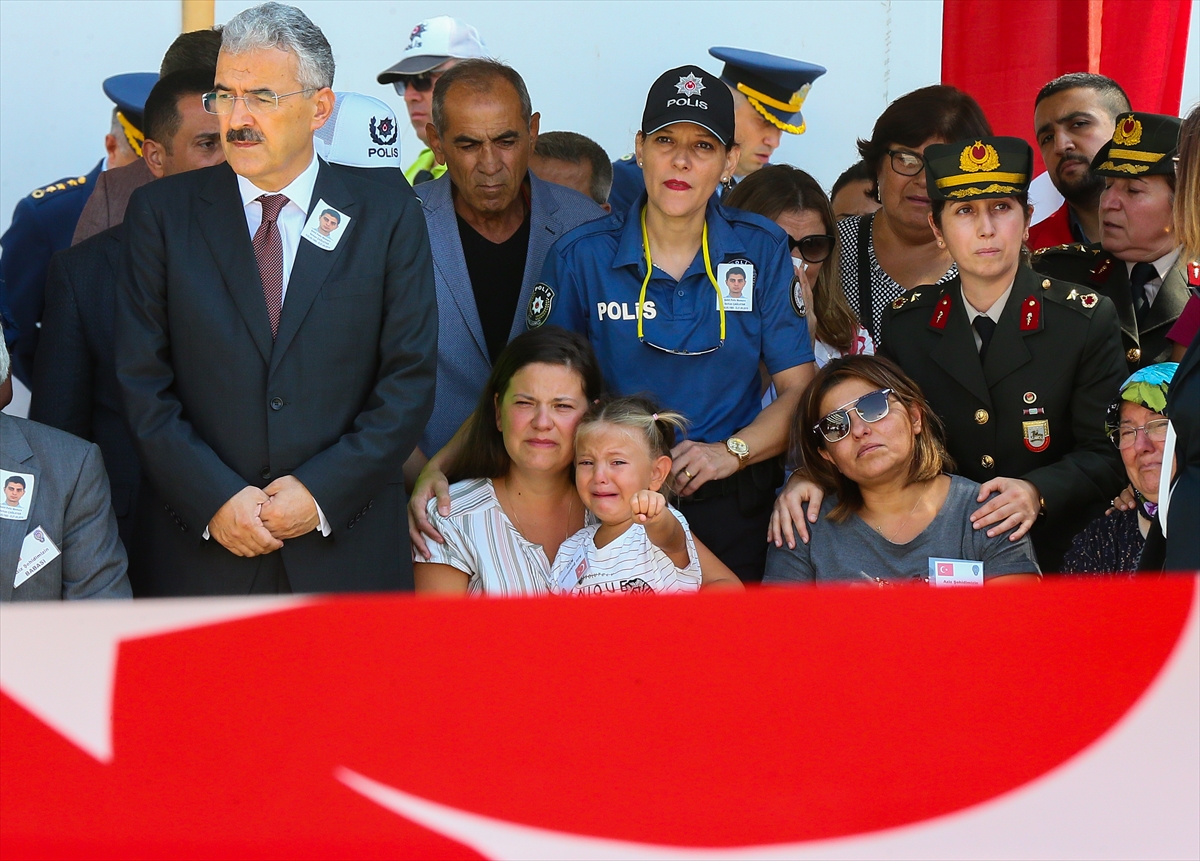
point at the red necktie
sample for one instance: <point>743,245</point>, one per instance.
<point>268,251</point>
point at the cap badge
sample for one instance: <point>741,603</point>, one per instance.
<point>979,156</point>
<point>690,85</point>
<point>384,131</point>
<point>1128,132</point>
<point>414,38</point>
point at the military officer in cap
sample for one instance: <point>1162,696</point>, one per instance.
<point>1020,367</point>
<point>1137,263</point>
<point>44,221</point>
<point>768,92</point>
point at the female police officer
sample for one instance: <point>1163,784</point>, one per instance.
<point>649,291</point>
<point>1020,368</point>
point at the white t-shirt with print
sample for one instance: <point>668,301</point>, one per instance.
<point>629,563</point>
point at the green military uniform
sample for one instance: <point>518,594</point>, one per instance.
<point>1034,407</point>
<point>1142,145</point>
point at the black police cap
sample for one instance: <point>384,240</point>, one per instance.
<point>690,95</point>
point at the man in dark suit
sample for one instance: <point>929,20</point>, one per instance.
<point>75,379</point>
<point>274,387</point>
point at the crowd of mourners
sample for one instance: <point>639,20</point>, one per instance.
<point>265,357</point>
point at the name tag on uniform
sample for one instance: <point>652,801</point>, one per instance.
<point>37,551</point>
<point>735,280</point>
<point>955,572</point>
<point>325,226</point>
<point>17,496</point>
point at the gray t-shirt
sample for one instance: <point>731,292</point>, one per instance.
<point>853,552</point>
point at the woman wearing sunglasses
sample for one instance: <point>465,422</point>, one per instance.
<point>1019,368</point>
<point>891,511</point>
<point>1137,426</point>
<point>797,203</point>
<point>653,289</point>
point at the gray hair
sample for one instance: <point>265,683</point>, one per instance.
<point>478,76</point>
<point>274,25</point>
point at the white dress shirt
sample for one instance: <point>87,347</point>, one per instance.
<point>1162,266</point>
<point>993,312</point>
<point>291,219</point>
<point>290,222</point>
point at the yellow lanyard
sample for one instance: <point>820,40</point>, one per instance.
<point>650,268</point>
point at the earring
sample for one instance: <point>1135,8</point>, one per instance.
<point>941,244</point>
<point>724,179</point>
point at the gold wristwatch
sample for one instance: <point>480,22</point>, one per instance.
<point>739,449</point>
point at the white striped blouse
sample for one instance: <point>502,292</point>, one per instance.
<point>483,543</point>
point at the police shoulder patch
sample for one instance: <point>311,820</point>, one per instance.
<point>797,296</point>
<point>540,303</point>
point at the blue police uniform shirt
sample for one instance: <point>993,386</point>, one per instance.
<point>42,224</point>
<point>596,273</point>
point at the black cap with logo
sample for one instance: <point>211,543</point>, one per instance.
<point>690,95</point>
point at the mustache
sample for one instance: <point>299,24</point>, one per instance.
<point>1068,159</point>
<point>244,135</point>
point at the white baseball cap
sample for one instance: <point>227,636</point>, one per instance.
<point>361,132</point>
<point>433,42</point>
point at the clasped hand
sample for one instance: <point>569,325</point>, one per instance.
<point>257,521</point>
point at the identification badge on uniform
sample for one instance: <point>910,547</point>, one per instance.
<point>798,304</point>
<point>325,226</point>
<point>37,551</point>
<point>735,280</point>
<point>1037,434</point>
<point>18,495</point>
<point>541,301</point>
<point>955,572</point>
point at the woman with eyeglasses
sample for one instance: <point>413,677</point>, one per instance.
<point>892,513</point>
<point>1137,426</point>
<point>683,298</point>
<point>797,203</point>
<point>893,250</point>
<point>1019,368</point>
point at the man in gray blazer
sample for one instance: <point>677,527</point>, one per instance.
<point>58,532</point>
<point>491,222</point>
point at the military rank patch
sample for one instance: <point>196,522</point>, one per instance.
<point>1088,300</point>
<point>798,304</point>
<point>1037,434</point>
<point>540,303</point>
<point>1031,314</point>
<point>1193,272</point>
<point>941,313</point>
<point>898,304</point>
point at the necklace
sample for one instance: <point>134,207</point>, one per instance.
<point>517,517</point>
<point>904,522</point>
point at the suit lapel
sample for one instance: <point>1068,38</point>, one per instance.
<point>955,350</point>
<point>1116,287</point>
<point>544,230</point>
<point>223,224</point>
<point>1008,351</point>
<point>446,247</point>
<point>1172,296</point>
<point>312,264</point>
<point>15,456</point>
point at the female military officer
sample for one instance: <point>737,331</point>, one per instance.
<point>650,292</point>
<point>1019,367</point>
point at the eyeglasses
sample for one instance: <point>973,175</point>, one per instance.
<point>1155,431</point>
<point>871,407</point>
<point>906,163</point>
<point>422,83</point>
<point>814,248</point>
<point>258,102</point>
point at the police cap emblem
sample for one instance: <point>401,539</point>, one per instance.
<point>540,303</point>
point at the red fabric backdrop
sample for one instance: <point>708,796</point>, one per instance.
<point>1003,52</point>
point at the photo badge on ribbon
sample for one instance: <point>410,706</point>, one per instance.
<point>735,280</point>
<point>541,301</point>
<point>325,226</point>
<point>18,495</point>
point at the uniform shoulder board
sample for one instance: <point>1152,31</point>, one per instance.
<point>64,184</point>
<point>1077,296</point>
<point>627,157</point>
<point>918,297</point>
<point>1073,249</point>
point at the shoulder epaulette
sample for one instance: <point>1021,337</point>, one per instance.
<point>1072,248</point>
<point>62,185</point>
<point>1075,296</point>
<point>919,297</point>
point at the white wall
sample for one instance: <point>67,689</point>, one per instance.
<point>588,63</point>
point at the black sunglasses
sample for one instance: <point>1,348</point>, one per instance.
<point>814,248</point>
<point>422,83</point>
<point>871,407</point>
